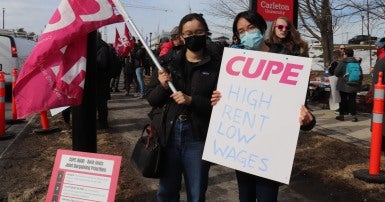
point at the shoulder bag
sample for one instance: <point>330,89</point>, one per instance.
<point>147,154</point>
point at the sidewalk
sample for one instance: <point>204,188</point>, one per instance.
<point>357,133</point>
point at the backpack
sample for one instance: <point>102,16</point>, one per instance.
<point>353,72</point>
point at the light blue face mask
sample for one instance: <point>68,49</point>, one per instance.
<point>252,40</point>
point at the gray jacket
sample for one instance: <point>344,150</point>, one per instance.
<point>340,72</point>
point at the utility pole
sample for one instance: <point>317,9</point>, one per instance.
<point>84,115</point>
<point>150,39</point>
<point>362,25</point>
<point>369,37</point>
<point>3,16</point>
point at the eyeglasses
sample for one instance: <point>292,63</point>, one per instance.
<point>250,29</point>
<point>198,32</point>
<point>281,27</point>
<point>342,48</point>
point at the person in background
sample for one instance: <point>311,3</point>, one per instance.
<point>66,114</point>
<point>285,39</point>
<point>380,67</point>
<point>156,50</point>
<point>342,51</point>
<point>169,52</point>
<point>166,46</point>
<point>334,98</point>
<point>236,43</point>
<point>348,91</point>
<point>115,69</point>
<point>140,61</point>
<point>380,46</point>
<point>129,74</point>
<point>250,26</point>
<point>103,59</point>
<point>164,43</point>
<point>194,72</point>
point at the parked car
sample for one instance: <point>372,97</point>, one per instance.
<point>359,39</point>
<point>13,53</point>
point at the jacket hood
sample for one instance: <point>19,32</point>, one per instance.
<point>350,59</point>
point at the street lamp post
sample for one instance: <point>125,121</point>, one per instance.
<point>3,16</point>
<point>362,25</point>
<point>150,39</point>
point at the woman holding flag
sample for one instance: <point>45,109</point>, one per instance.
<point>194,72</point>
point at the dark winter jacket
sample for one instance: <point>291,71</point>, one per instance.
<point>103,60</point>
<point>139,56</point>
<point>282,49</point>
<point>199,84</point>
<point>340,72</point>
<point>380,67</point>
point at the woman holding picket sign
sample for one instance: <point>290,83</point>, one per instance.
<point>249,27</point>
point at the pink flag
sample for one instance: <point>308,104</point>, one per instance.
<point>54,73</point>
<point>118,43</point>
<point>124,45</point>
<point>130,39</point>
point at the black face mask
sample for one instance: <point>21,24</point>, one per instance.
<point>195,42</point>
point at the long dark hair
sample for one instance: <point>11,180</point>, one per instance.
<point>253,17</point>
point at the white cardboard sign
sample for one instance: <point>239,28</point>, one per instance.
<point>254,127</point>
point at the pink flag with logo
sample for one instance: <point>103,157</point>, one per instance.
<point>118,43</point>
<point>124,45</point>
<point>54,73</point>
<point>131,41</point>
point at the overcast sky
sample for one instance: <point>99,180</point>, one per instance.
<point>152,16</point>
<point>149,16</point>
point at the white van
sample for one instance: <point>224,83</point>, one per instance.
<point>13,53</point>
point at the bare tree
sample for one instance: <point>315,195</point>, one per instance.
<point>226,9</point>
<point>370,10</point>
<point>315,16</point>
<point>378,9</point>
<point>318,19</point>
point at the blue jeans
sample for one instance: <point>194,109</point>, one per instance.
<point>183,156</point>
<point>139,76</point>
<point>252,187</point>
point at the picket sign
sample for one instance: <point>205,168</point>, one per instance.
<point>254,127</point>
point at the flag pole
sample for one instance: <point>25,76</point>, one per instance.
<point>84,115</point>
<point>150,53</point>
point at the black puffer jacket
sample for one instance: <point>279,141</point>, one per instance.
<point>200,86</point>
<point>103,60</point>
<point>283,49</point>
